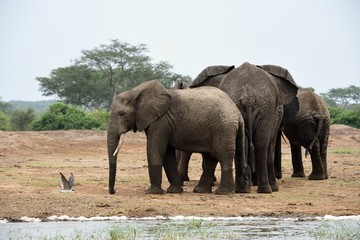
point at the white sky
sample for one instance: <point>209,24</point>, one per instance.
<point>318,41</point>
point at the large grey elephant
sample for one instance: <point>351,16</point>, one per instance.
<point>194,120</point>
<point>309,127</point>
<point>260,93</point>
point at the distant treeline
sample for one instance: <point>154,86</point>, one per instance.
<point>37,106</point>
<point>54,115</point>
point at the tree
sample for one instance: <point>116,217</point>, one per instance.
<point>21,119</point>
<point>78,85</point>
<point>5,107</point>
<point>103,72</point>
<point>342,97</point>
<point>116,61</point>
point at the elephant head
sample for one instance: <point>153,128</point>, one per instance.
<point>133,110</point>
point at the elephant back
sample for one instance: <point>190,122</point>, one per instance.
<point>209,72</point>
<point>279,72</point>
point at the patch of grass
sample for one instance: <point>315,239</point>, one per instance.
<point>336,230</point>
<point>186,230</point>
<point>19,234</point>
<point>345,151</point>
<point>126,232</point>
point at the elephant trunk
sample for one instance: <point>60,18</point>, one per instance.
<point>112,145</point>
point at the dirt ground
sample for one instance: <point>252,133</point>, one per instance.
<point>30,163</point>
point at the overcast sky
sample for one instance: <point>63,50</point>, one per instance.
<point>318,41</point>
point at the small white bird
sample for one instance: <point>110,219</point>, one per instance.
<point>67,184</point>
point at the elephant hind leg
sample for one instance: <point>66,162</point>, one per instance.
<point>227,183</point>
<point>318,172</point>
<point>206,179</point>
<point>183,164</point>
<point>261,152</point>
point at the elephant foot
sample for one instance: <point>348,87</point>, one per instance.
<point>314,176</point>
<point>174,189</point>
<point>154,190</point>
<point>264,189</point>
<point>221,190</point>
<point>243,188</point>
<point>202,189</point>
<point>298,175</point>
<point>275,188</point>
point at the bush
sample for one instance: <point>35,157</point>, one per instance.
<point>4,122</point>
<point>21,119</point>
<point>350,117</point>
<point>61,116</point>
<point>101,117</point>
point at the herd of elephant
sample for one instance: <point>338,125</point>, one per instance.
<point>232,116</point>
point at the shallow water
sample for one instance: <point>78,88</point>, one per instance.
<point>179,227</point>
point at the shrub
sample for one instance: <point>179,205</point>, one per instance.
<point>21,119</point>
<point>101,117</point>
<point>350,117</point>
<point>4,121</point>
<point>61,116</point>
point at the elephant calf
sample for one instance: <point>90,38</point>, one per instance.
<point>203,120</point>
<point>310,128</point>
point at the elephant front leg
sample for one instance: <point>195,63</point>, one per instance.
<point>155,162</point>
<point>171,171</point>
<point>155,175</point>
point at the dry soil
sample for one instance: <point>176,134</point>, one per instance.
<point>30,163</point>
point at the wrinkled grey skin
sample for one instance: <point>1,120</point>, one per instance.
<point>310,128</point>
<point>183,158</point>
<point>260,93</point>
<point>193,120</point>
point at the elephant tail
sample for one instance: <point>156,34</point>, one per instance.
<point>241,163</point>
<point>316,137</point>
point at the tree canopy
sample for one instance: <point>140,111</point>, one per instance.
<point>342,97</point>
<point>344,105</point>
<point>99,74</point>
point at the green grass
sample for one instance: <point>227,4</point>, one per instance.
<point>186,230</point>
<point>344,151</point>
<point>120,232</point>
<point>338,230</point>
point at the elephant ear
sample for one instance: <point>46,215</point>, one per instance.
<point>152,101</point>
<point>286,84</point>
<point>211,71</point>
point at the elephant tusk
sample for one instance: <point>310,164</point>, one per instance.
<point>121,141</point>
